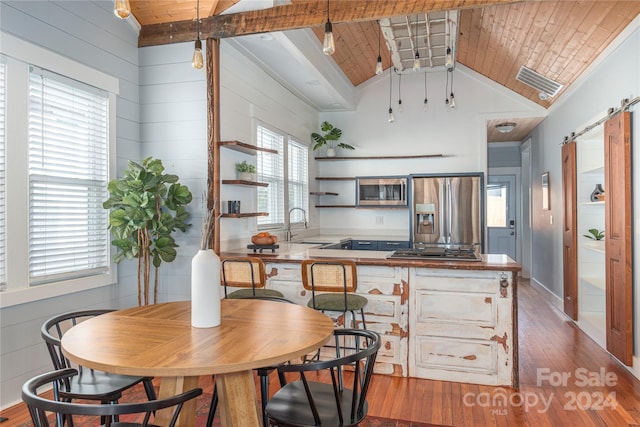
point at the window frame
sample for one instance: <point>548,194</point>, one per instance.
<point>19,56</point>
<point>284,154</point>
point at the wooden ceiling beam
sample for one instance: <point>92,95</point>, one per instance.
<point>299,14</point>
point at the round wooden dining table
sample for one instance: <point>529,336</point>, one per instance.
<point>158,340</point>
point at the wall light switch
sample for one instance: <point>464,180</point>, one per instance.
<point>379,220</point>
<point>550,219</point>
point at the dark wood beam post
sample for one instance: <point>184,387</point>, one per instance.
<point>213,135</point>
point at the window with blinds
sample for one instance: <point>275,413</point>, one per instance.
<point>287,176</point>
<point>3,277</point>
<point>270,169</point>
<point>298,179</point>
<point>68,173</point>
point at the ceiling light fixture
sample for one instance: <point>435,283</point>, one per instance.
<point>448,60</point>
<point>505,127</point>
<point>400,107</point>
<point>391,118</point>
<point>379,69</point>
<point>452,99</point>
<point>425,105</point>
<point>329,46</point>
<point>416,58</point>
<point>197,61</point>
<point>122,8</point>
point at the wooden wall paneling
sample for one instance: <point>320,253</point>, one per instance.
<point>569,229</point>
<point>618,250</point>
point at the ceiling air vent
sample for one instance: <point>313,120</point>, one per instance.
<point>547,87</point>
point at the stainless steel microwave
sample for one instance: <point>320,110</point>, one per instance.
<point>381,191</point>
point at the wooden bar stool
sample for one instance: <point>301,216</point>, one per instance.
<point>245,272</point>
<point>337,280</point>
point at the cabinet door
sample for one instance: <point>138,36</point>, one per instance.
<point>618,255</point>
<point>569,225</point>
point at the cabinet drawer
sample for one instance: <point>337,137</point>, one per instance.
<point>364,245</point>
<point>392,245</point>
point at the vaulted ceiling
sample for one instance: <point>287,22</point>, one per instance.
<point>556,39</point>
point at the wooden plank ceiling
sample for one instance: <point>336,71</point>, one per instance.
<point>557,39</point>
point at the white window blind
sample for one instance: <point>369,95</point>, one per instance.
<point>68,174</point>
<point>270,168</point>
<point>298,163</point>
<point>3,277</point>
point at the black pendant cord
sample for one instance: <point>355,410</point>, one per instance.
<point>390,86</point>
<point>625,105</point>
<point>446,89</point>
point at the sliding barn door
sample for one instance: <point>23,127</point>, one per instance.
<point>569,234</point>
<point>618,200</point>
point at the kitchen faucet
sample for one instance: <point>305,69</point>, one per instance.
<point>288,234</point>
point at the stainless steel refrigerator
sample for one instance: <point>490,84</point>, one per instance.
<point>448,210</point>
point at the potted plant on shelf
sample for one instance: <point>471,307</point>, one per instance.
<point>246,171</point>
<point>330,139</point>
<point>147,206</point>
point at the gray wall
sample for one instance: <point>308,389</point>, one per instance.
<point>86,32</point>
<point>615,78</point>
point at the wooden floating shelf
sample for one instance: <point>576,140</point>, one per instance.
<point>244,215</point>
<point>243,182</point>
<point>335,178</point>
<point>335,206</point>
<point>245,148</point>
<point>322,193</point>
<point>419,156</point>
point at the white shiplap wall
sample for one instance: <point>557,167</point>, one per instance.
<point>86,32</point>
<point>174,128</point>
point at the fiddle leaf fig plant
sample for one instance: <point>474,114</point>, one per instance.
<point>330,138</point>
<point>147,206</point>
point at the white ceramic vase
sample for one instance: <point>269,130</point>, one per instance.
<point>205,289</point>
<point>331,152</point>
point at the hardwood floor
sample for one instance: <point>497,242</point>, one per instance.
<point>596,390</point>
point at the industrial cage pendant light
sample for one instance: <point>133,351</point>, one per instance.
<point>122,8</point>
<point>329,45</point>
<point>197,61</point>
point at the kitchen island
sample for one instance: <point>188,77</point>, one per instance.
<point>443,320</point>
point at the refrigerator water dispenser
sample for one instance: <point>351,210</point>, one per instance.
<point>425,218</point>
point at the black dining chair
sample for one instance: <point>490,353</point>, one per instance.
<point>263,373</point>
<point>248,273</point>
<point>89,384</point>
<point>40,407</point>
<point>314,403</point>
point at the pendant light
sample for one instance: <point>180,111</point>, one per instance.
<point>425,105</point>
<point>400,107</point>
<point>197,61</point>
<point>416,58</point>
<point>452,99</point>
<point>379,69</point>
<point>391,117</point>
<point>446,90</point>
<point>122,8</point>
<point>448,60</point>
<point>329,46</point>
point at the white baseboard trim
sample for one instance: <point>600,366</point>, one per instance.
<point>549,296</point>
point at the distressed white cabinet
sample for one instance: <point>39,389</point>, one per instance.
<point>386,312</point>
<point>461,326</point>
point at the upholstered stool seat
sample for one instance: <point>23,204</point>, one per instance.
<point>248,273</point>
<point>333,285</point>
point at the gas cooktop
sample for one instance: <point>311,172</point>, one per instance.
<point>438,253</point>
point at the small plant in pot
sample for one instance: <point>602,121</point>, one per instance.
<point>330,139</point>
<point>246,171</point>
<point>594,234</point>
